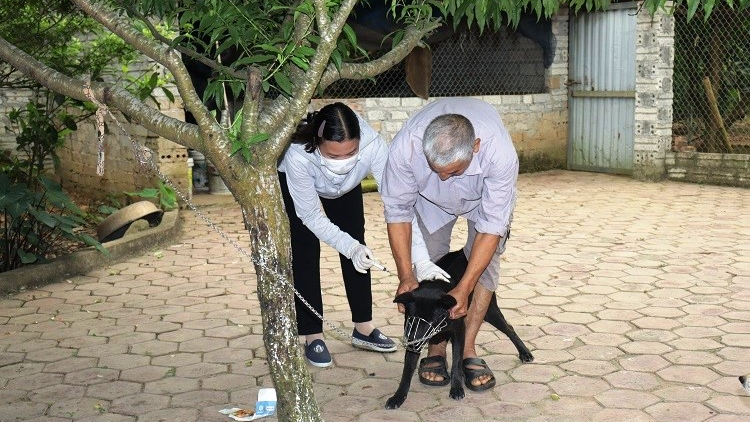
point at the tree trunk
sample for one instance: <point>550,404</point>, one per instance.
<point>720,132</point>
<point>265,219</point>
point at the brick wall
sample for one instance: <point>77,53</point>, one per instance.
<point>653,103</point>
<point>78,155</point>
<point>122,173</point>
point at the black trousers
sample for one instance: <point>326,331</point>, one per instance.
<point>346,212</point>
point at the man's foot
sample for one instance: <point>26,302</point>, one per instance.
<point>317,354</point>
<point>376,341</point>
<point>478,376</point>
<point>433,370</point>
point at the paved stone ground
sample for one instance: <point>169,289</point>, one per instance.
<point>632,296</point>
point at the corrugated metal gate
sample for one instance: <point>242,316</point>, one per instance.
<point>602,89</point>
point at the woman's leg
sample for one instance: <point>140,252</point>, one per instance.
<point>306,267</point>
<point>347,212</point>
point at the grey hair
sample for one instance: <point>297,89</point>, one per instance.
<point>448,139</point>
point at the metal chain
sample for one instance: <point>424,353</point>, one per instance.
<point>145,158</point>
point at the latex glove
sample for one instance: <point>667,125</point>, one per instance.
<point>426,270</point>
<point>362,258</point>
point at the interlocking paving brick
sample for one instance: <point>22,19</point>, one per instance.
<point>603,339</point>
<point>177,414</point>
<point>622,415</point>
<point>138,404</point>
<point>203,344</point>
<point>684,393</point>
<point>626,297</point>
<point>34,382</point>
<point>589,367</point>
<point>644,363</point>
<point>176,359</point>
<point>575,385</point>
<point>645,348</point>
<point>373,387</point>
<point>78,407</point>
<point>21,411</point>
<point>49,355</point>
<point>633,380</point>
<point>627,399</point>
<point>172,385</point>
<point>201,370</point>
<point>200,398</point>
<point>523,392</point>
<point>687,412</point>
<point>10,396</point>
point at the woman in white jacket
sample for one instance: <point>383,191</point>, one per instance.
<point>330,154</point>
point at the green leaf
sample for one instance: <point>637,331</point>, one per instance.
<point>258,138</point>
<point>144,193</point>
<point>106,209</point>
<point>270,48</point>
<point>350,35</point>
<point>26,258</point>
<point>168,94</point>
<point>337,59</point>
<point>153,81</point>
<point>95,243</point>
<point>57,196</point>
<point>692,8</point>
<point>237,145</point>
<point>283,82</point>
<point>10,195</point>
<point>258,58</point>
<point>300,63</point>
<point>305,51</point>
<point>44,217</point>
<point>70,123</point>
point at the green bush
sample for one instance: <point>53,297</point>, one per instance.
<point>35,220</point>
<point>164,195</point>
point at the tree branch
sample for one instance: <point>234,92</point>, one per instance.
<point>321,13</point>
<point>296,107</point>
<point>412,38</point>
<point>175,130</point>
<point>159,53</point>
<point>251,105</point>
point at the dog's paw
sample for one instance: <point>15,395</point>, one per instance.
<point>457,393</point>
<point>395,402</point>
<point>526,356</point>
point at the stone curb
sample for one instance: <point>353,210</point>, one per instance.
<point>84,260</point>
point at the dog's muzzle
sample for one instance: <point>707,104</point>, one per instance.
<point>418,331</point>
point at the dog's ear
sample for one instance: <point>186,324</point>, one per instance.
<point>447,301</point>
<point>403,298</point>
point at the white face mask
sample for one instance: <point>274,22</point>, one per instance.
<point>342,166</point>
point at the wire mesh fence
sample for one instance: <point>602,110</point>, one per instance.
<point>468,63</point>
<point>712,82</point>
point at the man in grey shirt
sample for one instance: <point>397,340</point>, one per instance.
<point>454,158</point>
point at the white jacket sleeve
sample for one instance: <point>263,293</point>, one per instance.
<point>308,208</point>
<point>379,157</point>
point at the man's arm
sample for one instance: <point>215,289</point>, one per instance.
<point>399,236</point>
<point>482,252</point>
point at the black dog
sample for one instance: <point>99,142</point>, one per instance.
<point>426,318</point>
